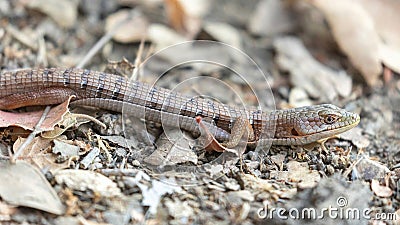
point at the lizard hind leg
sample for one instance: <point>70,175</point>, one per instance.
<point>241,131</point>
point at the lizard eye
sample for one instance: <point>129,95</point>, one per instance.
<point>329,119</point>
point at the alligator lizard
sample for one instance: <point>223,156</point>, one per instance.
<point>296,126</point>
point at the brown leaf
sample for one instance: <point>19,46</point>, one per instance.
<point>37,153</point>
<point>176,14</point>
<point>355,34</point>
<point>211,144</point>
<point>29,120</point>
<point>184,17</point>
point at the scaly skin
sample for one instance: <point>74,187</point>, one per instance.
<point>297,126</point>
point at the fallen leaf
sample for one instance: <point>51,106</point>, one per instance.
<point>29,120</point>
<point>65,149</point>
<point>172,148</point>
<point>128,27</point>
<point>163,36</point>
<point>84,180</point>
<point>67,122</point>
<point>65,17</point>
<point>380,190</point>
<point>152,196</point>
<point>208,140</point>
<point>37,153</point>
<point>299,173</point>
<point>70,120</point>
<point>185,16</point>
<point>176,14</point>
<point>384,14</point>
<point>355,34</point>
<point>270,18</point>
<point>225,33</point>
<point>318,80</point>
<point>24,185</point>
<point>122,141</point>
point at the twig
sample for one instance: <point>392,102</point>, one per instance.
<point>98,122</point>
<point>100,43</point>
<point>42,53</point>
<point>31,136</point>
<point>138,61</point>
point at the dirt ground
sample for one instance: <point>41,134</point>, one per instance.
<point>266,53</point>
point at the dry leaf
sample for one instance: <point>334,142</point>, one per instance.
<point>379,190</point>
<point>299,173</point>
<point>385,16</point>
<point>24,185</point>
<point>65,149</point>
<point>185,15</point>
<point>270,18</point>
<point>173,147</point>
<point>29,120</point>
<point>129,28</point>
<point>355,34</point>
<point>307,73</point>
<point>83,180</point>
<point>63,12</point>
<point>153,195</point>
<point>37,154</point>
<point>176,14</point>
<point>67,122</point>
<point>225,33</point>
<point>70,120</point>
<point>208,140</point>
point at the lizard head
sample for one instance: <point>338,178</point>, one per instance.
<point>312,123</point>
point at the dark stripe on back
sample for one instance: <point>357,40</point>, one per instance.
<point>215,116</point>
<point>46,75</point>
<point>117,88</point>
<point>84,78</point>
<point>66,77</point>
<point>29,75</point>
<point>100,87</point>
<point>153,101</point>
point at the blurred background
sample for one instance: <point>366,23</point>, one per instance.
<point>306,52</point>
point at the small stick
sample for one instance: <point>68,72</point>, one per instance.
<point>100,43</point>
<point>31,136</point>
